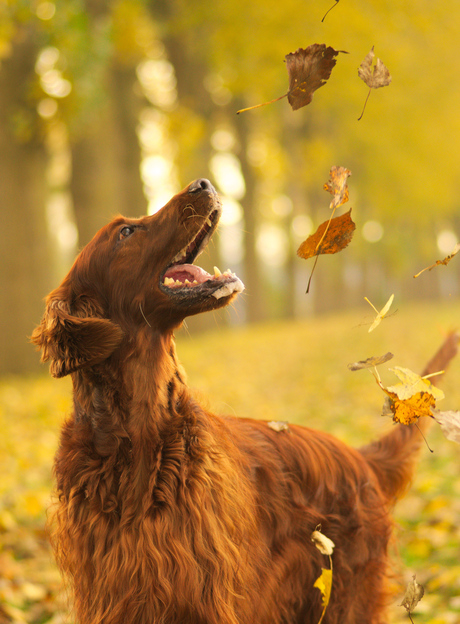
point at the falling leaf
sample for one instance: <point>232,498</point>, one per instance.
<point>308,69</point>
<point>408,411</point>
<point>445,262</point>
<point>380,314</point>
<point>374,77</point>
<point>450,424</point>
<point>278,425</point>
<point>329,10</point>
<point>411,383</point>
<point>324,584</point>
<point>370,362</point>
<point>323,544</point>
<point>414,593</point>
<point>331,237</point>
<point>411,399</point>
<point>337,186</point>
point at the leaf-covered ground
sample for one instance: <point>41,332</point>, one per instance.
<point>281,371</point>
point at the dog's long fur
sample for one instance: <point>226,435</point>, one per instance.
<point>168,514</point>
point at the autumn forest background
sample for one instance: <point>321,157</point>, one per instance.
<point>112,106</point>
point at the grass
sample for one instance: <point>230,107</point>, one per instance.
<point>293,371</point>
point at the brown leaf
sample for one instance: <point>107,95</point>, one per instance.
<point>409,410</point>
<point>414,593</point>
<point>375,77</point>
<point>445,262</point>
<point>370,362</point>
<point>308,70</point>
<point>331,237</point>
<point>450,424</point>
<point>337,186</point>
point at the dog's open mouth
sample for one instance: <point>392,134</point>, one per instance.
<point>185,279</point>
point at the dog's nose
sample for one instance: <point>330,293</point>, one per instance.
<point>201,185</point>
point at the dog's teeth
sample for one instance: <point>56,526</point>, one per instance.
<point>194,282</point>
<point>187,282</point>
<point>208,222</point>
<point>217,272</point>
<point>178,283</point>
<point>168,281</point>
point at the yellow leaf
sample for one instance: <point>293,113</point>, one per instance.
<point>324,584</point>
<point>408,411</point>
<point>380,314</point>
<point>411,384</point>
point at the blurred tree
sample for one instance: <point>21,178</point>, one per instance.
<point>105,150</point>
<point>25,257</point>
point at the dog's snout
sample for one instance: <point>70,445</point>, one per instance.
<point>201,185</point>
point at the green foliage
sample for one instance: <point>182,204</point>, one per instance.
<point>295,372</point>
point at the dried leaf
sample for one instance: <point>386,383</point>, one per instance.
<point>331,237</point>
<point>374,77</point>
<point>308,69</point>
<point>278,425</point>
<point>380,314</point>
<point>337,186</point>
<point>323,544</point>
<point>445,262</point>
<point>414,593</point>
<point>371,362</point>
<point>450,424</point>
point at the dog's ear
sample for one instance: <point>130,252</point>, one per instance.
<point>71,341</point>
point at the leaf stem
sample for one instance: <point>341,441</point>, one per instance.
<point>362,113</point>
<point>243,110</point>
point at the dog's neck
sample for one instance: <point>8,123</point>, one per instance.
<point>147,394</point>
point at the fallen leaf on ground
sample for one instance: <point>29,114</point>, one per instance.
<point>337,186</point>
<point>380,314</point>
<point>370,362</point>
<point>375,77</point>
<point>414,593</point>
<point>445,262</point>
<point>449,422</point>
<point>308,70</point>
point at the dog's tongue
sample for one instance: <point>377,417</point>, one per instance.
<point>185,273</point>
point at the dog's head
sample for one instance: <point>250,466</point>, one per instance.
<point>132,273</point>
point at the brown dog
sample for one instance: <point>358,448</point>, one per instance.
<point>167,514</point>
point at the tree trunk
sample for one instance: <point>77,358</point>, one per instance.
<point>106,158</point>
<point>25,258</point>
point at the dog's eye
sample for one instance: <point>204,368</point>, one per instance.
<point>125,231</point>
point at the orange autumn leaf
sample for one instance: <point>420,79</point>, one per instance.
<point>331,237</point>
<point>408,411</point>
<point>337,186</point>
